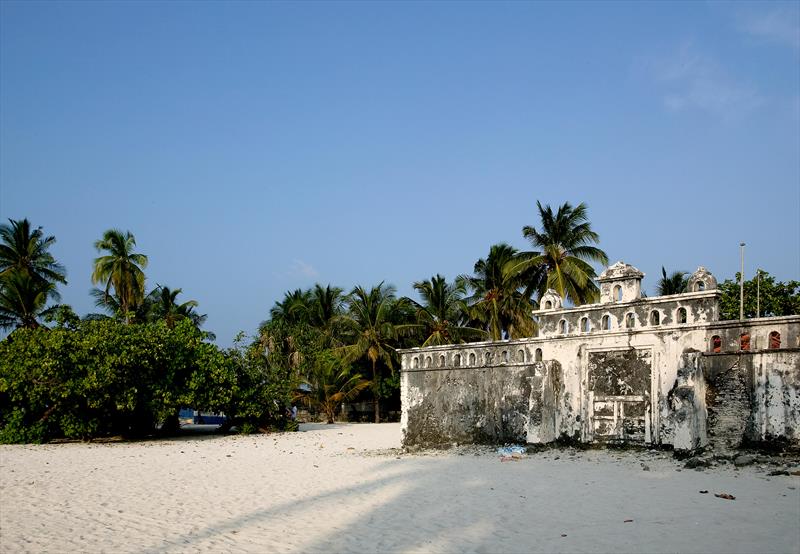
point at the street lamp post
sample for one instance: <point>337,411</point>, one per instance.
<point>741,285</point>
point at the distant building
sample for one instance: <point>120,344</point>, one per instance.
<point>650,371</point>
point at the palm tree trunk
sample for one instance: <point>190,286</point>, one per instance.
<point>375,385</point>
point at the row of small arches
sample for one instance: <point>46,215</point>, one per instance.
<point>630,321</point>
<point>472,359</point>
<point>774,342</point>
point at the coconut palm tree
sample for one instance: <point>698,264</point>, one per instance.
<point>564,252</point>
<point>163,306</point>
<point>23,300</point>
<point>330,384</point>
<point>121,268</point>
<point>26,249</point>
<point>325,306</point>
<point>674,283</point>
<point>369,325</point>
<point>498,303</point>
<point>293,309</point>
<point>441,315</point>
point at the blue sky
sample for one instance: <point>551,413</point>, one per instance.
<point>254,147</point>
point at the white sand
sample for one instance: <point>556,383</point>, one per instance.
<point>339,489</point>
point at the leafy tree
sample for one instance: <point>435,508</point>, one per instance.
<point>330,384</point>
<point>498,303</point>
<point>777,298</point>
<point>122,269</point>
<point>440,315</point>
<point>369,326</point>
<point>674,283</point>
<point>23,249</point>
<point>103,378</point>
<point>565,248</point>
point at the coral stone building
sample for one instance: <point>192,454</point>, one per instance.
<point>629,369</point>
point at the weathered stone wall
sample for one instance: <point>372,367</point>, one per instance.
<point>512,402</point>
<point>754,397</point>
<point>487,392</point>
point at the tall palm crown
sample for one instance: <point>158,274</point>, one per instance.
<point>566,244</point>
<point>121,268</point>
<point>498,302</point>
<point>23,300</point>
<point>164,306</point>
<point>26,249</point>
<point>442,311</point>
<point>293,309</point>
<point>368,324</point>
<point>674,283</point>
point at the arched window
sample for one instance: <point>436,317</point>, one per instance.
<point>441,361</point>
<point>472,358</point>
<point>585,328</point>
<point>716,343</point>
<point>538,355</point>
<point>428,361</point>
<point>606,323</point>
<point>416,361</point>
<point>681,315</point>
<point>563,327</point>
<point>457,360</point>
<point>700,286</point>
<point>774,339</point>
<point>487,358</point>
<point>617,293</point>
<point>630,321</point>
<point>744,341</point>
<point>520,355</point>
<point>548,305</point>
<point>655,318</point>
<point>505,356</point>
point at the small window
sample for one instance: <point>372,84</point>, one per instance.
<point>700,286</point>
<point>520,355</point>
<point>606,323</point>
<point>563,327</point>
<point>655,318</point>
<point>416,361</point>
<point>487,358</point>
<point>441,361</point>
<point>681,315</point>
<point>630,321</point>
<point>472,358</point>
<point>538,355</point>
<point>505,356</point>
<point>585,328</point>
<point>744,341</point>
<point>428,361</point>
<point>774,340</point>
<point>548,305</point>
<point>716,344</point>
<point>457,360</point>
<point>617,293</point>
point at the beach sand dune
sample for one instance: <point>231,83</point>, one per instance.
<point>348,488</point>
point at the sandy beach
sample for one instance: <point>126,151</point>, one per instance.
<point>349,488</point>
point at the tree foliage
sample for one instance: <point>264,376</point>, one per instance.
<point>674,283</point>
<point>122,269</point>
<point>565,248</point>
<point>777,298</point>
<point>103,378</point>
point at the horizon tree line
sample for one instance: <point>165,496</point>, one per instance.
<point>328,338</point>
